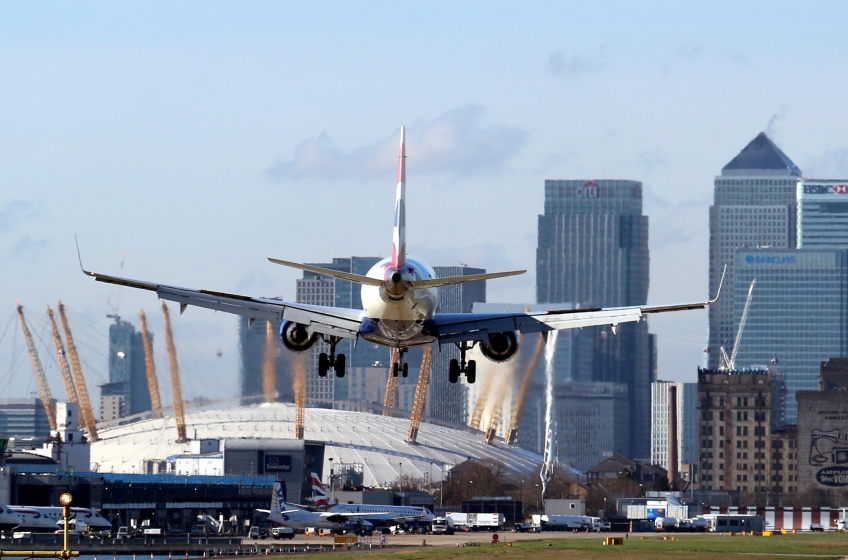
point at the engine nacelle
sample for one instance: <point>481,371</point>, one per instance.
<point>500,347</point>
<point>296,337</point>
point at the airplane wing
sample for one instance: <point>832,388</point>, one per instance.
<point>334,321</point>
<point>458,327</point>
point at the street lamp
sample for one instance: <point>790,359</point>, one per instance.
<point>332,493</point>
<point>401,477</point>
<point>522,499</point>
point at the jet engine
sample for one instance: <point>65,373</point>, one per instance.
<point>500,347</point>
<point>296,337</point>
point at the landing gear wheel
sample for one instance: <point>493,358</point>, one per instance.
<point>395,369</point>
<point>453,371</point>
<point>323,364</point>
<point>405,369</point>
<point>339,366</point>
<point>471,371</point>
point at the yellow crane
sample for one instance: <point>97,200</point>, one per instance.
<point>64,366</point>
<point>299,364</point>
<point>269,381</point>
<point>176,390</point>
<point>152,381</point>
<point>391,387</point>
<point>492,430</point>
<point>480,405</point>
<point>86,412</point>
<point>512,428</point>
<point>420,395</point>
<point>40,378</point>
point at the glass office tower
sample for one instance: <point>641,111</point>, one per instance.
<point>822,213</point>
<point>797,314</point>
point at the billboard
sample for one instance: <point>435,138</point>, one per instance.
<point>278,463</point>
<point>822,440</point>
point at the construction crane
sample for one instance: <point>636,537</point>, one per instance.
<point>492,430</point>
<point>152,381</point>
<point>176,390</point>
<point>512,428</point>
<point>40,378</point>
<point>729,364</point>
<point>391,387</point>
<point>299,365</point>
<point>420,395</point>
<point>63,360</point>
<point>86,412</point>
<point>269,381</point>
<point>480,405</point>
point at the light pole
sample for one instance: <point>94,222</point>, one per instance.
<point>442,486</point>
<point>401,478</point>
<point>522,499</point>
<point>430,471</point>
<point>605,508</point>
<point>332,494</point>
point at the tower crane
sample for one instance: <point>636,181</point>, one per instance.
<point>63,360</point>
<point>176,390</point>
<point>269,380</point>
<point>152,381</point>
<point>86,412</point>
<point>729,364</point>
<point>420,395</point>
<point>40,378</point>
<point>391,387</point>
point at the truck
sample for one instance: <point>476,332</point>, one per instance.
<point>565,523</point>
<point>460,520</point>
<point>486,521</point>
<point>443,526</point>
<point>282,533</point>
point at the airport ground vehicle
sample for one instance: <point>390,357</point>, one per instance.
<point>443,526</point>
<point>282,533</point>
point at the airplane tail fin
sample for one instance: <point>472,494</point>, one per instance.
<point>319,496</point>
<point>278,496</point>
<point>399,234</point>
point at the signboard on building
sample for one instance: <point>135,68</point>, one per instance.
<point>822,440</point>
<point>277,463</point>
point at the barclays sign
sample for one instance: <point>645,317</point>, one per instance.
<point>770,259</point>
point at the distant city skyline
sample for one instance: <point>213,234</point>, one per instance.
<point>188,143</point>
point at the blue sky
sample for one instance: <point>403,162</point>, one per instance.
<point>193,141</point>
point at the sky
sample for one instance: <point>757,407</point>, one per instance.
<point>185,143</point>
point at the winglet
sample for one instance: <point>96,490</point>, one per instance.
<point>720,282</point>
<point>79,257</point>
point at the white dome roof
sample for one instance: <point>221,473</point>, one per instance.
<point>377,442</point>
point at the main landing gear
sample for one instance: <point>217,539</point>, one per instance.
<point>325,361</point>
<point>460,366</point>
<point>400,366</point>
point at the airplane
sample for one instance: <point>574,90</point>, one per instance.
<point>377,514</point>
<point>400,303</point>
<point>8,518</point>
<point>299,517</point>
<point>49,519</point>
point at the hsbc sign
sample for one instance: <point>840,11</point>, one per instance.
<point>825,189</point>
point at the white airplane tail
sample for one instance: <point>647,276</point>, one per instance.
<point>399,234</point>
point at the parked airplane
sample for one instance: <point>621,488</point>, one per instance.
<point>8,518</point>
<point>299,517</point>
<point>47,519</point>
<point>377,514</point>
<point>399,301</point>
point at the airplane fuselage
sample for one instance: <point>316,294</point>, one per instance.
<point>396,311</point>
<point>43,519</point>
<point>309,519</point>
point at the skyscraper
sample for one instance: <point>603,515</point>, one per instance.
<point>687,423</point>
<point>317,289</point>
<point>753,206</point>
<point>822,214</point>
<point>797,314</point>
<point>593,252</point>
<point>127,370</point>
<point>252,341</point>
<point>448,401</point>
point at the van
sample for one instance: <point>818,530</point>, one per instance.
<point>123,532</point>
<point>253,533</point>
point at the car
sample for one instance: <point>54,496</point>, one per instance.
<point>816,528</point>
<point>282,533</point>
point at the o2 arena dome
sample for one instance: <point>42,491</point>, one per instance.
<point>376,442</point>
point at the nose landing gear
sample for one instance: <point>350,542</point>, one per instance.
<point>325,361</point>
<point>460,366</point>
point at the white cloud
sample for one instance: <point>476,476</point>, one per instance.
<point>17,212</point>
<point>833,164</point>
<point>456,142</point>
<point>560,66</point>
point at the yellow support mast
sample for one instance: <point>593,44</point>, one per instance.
<point>492,430</point>
<point>512,429</point>
<point>176,390</point>
<point>420,395</point>
<point>391,386</point>
<point>63,361</point>
<point>269,376</point>
<point>86,411</point>
<point>40,378</point>
<point>152,381</point>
